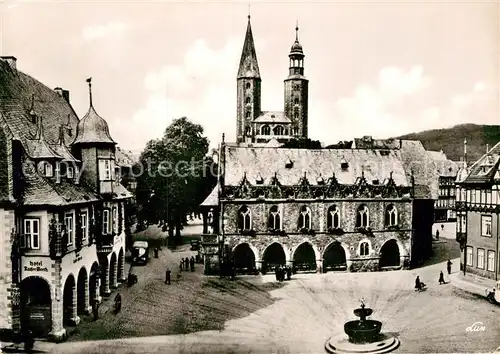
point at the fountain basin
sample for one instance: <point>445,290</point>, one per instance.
<point>363,311</point>
<point>366,331</point>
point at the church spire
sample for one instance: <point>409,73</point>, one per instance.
<point>249,66</point>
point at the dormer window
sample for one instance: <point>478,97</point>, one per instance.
<point>259,179</point>
<point>70,172</point>
<point>375,182</point>
<point>47,169</point>
<point>344,165</point>
<point>273,116</point>
<point>105,170</point>
<point>288,163</point>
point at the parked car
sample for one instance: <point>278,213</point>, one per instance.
<point>493,295</point>
<point>195,245</point>
<point>140,252</point>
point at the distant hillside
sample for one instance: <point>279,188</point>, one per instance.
<point>451,140</point>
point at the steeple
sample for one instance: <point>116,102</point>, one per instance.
<point>249,66</point>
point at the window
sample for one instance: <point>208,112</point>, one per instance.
<point>469,256</point>
<point>364,249</point>
<point>296,87</point>
<point>105,170</point>
<point>305,218</point>
<point>105,222</point>
<point>480,258</point>
<point>68,223</point>
<point>248,131</point>
<point>266,130</point>
<point>461,223</point>
<point>391,216</point>
<point>244,219</point>
<point>247,101</point>
<point>296,130</point>
<point>31,237</point>
<point>274,218</point>
<point>248,86</point>
<point>333,217</point>
<point>486,225</point>
<point>491,261</point>
<point>296,101</point>
<point>47,169</point>
<point>278,130</point>
<point>362,216</point>
<point>488,197</point>
<point>115,219</point>
<point>247,114</point>
<point>84,224</point>
<point>70,173</point>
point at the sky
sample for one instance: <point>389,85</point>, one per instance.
<point>375,68</point>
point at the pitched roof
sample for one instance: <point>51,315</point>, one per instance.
<point>486,169</point>
<point>367,142</point>
<point>272,117</point>
<point>213,198</point>
<point>249,66</point>
<point>376,165</point>
<point>445,167</point>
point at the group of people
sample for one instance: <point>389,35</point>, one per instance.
<point>419,285</point>
<point>187,263</point>
<point>281,271</point>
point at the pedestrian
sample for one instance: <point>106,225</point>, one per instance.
<point>441,278</point>
<point>181,265</point>
<point>95,309</point>
<point>167,276</point>
<point>156,252</point>
<point>437,234</point>
<point>418,284</point>
<point>277,273</point>
<point>118,303</point>
<point>289,273</point>
<point>29,341</point>
<point>191,262</point>
<point>186,263</point>
<point>448,266</point>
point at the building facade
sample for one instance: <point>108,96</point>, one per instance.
<point>478,215</point>
<point>444,206</point>
<point>259,127</point>
<point>63,208</point>
<point>320,210</point>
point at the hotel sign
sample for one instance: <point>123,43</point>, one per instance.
<point>36,266</point>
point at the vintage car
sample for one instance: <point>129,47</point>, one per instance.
<point>140,252</point>
<point>493,295</point>
<point>195,245</point>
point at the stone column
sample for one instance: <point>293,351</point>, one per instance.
<point>86,300</point>
<point>319,266</point>
<point>205,222</point>
<point>105,291</point>
<point>58,332</point>
<point>74,319</point>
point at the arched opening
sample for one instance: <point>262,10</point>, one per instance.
<point>36,306</point>
<point>304,258</point>
<point>273,256</point>
<point>69,301</point>
<point>244,259</point>
<point>121,265</point>
<point>389,254</point>
<point>104,274</point>
<point>113,267</point>
<point>334,258</point>
<point>278,130</point>
<point>265,130</point>
<point>94,283</point>
<point>244,219</point>
<point>82,291</point>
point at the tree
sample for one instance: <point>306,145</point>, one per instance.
<point>302,143</point>
<point>175,177</point>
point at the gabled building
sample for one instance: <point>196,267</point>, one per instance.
<point>478,215</point>
<point>62,240</point>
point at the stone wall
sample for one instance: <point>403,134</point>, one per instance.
<point>7,223</point>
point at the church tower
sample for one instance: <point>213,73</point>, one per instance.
<point>296,90</point>
<point>248,89</point>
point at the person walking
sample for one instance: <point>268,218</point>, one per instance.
<point>118,303</point>
<point>167,276</point>
<point>29,341</point>
<point>418,284</point>
<point>441,278</point>
<point>191,263</point>
<point>437,234</point>
<point>181,265</point>
<point>448,266</point>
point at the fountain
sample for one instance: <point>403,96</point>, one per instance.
<point>363,336</point>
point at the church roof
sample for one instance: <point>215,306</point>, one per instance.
<point>270,162</point>
<point>272,117</point>
<point>249,66</point>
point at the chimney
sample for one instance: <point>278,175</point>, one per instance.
<point>11,61</point>
<point>63,93</point>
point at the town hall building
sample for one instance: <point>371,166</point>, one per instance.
<point>349,209</point>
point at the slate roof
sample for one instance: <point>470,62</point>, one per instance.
<point>249,66</point>
<point>485,169</point>
<point>93,129</point>
<point>272,117</point>
<point>43,121</point>
<point>213,198</point>
<point>445,167</point>
<point>325,162</point>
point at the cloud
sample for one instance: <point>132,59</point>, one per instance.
<point>92,32</point>
<point>202,88</point>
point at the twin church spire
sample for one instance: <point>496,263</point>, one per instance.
<point>256,126</point>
